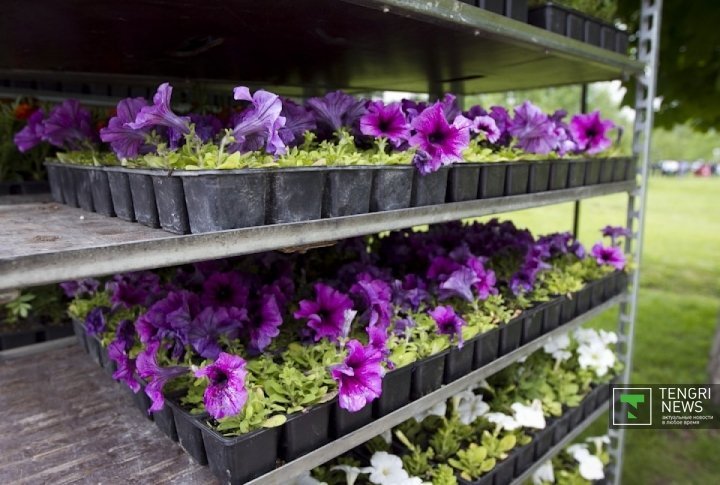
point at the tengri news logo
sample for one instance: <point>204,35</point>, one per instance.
<point>632,406</point>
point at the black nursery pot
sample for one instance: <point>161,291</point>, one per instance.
<point>539,177</point>
<point>142,402</point>
<point>603,395</point>
<point>576,173</point>
<point>429,189</point>
<point>548,17</point>
<point>217,200</point>
<point>504,470</point>
<point>568,309</point>
<point>532,323</point>
<point>559,174</point>
<point>606,170</point>
<point>79,331</point>
<point>622,279</point>
<point>561,427</point>
<point>239,459</point>
<point>575,28</point>
<point>94,347</point>
<point>607,37</point>
<point>54,332</point>
<point>188,431</point>
<point>83,188</point>
<point>165,421</point>
<point>463,182</point>
<point>620,169</point>
<point>597,292</point>
<point>18,339</point>
<point>100,188</point>
<point>347,191</point>
<point>67,180</point>
<point>55,180</point>
<point>170,199</point>
<point>621,42</point>
<point>516,178</point>
<point>345,422</point>
<point>524,457</point>
<point>517,9</point>
<point>428,375</point>
<point>492,180</point>
<point>143,199</point>
<point>592,171</point>
<point>496,6</point>
<point>459,362</point>
<point>576,416</point>
<point>551,314</point>
<point>295,195</point>
<point>108,365</point>
<point>305,431</point>
<point>32,187</point>
<point>543,440</point>
<point>511,335</point>
<point>487,346</point>
<point>395,391</point>
<point>120,193</point>
<point>588,403</point>
<point>592,32</point>
<point>391,188</point>
<point>583,300</point>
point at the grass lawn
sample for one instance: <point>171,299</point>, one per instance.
<point>678,312</point>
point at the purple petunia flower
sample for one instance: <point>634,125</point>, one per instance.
<point>375,297</point>
<point>298,120</point>
<point>521,282</point>
<point>486,280</point>
<point>118,351</point>
<point>474,112</point>
<point>32,133</point>
<point>225,290</point>
<point>615,233</point>
<point>169,318</point>
<point>534,131</point>
<point>441,141</point>
<point>69,125</point>
<point>441,267</point>
<point>326,314</point>
<point>386,121</point>
<point>336,110</point>
<point>411,292</point>
<point>226,393</point>
<point>448,322</point>
<point>459,284</point>
<point>131,289</point>
<point>502,121</point>
<point>125,141</point>
<point>160,114</point>
<point>577,249</point>
<point>76,288</point>
<point>590,132</point>
<point>359,377</point>
<point>565,143</point>
<point>209,326</point>
<point>265,324</point>
<point>608,255</point>
<point>156,375</point>
<point>95,321</point>
<point>412,108</point>
<point>487,126</point>
<point>450,106</point>
<point>207,126</point>
<point>402,325</point>
<point>258,126</point>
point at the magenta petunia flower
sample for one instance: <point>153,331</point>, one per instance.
<point>160,114</point>
<point>69,125</point>
<point>359,377</point>
<point>590,132</point>
<point>451,108</point>
<point>459,284</point>
<point>448,323</point>
<point>441,141</point>
<point>265,325</point>
<point>258,126</point>
<point>207,328</point>
<point>169,318</point>
<point>608,255</point>
<point>486,280</point>
<point>118,351</point>
<point>225,290</point>
<point>95,321</point>
<point>375,297</point>
<point>126,142</point>
<point>298,120</point>
<point>326,314</point>
<point>386,121</point>
<point>487,126</point>
<point>156,375</point>
<point>226,393</point>
<point>615,233</point>
<point>502,121</point>
<point>412,108</point>
<point>410,292</point>
<point>535,132</point>
<point>336,110</point>
<point>32,133</point>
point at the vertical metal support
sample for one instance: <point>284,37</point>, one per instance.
<point>648,50</point>
<point>576,209</point>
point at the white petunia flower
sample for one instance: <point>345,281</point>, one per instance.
<point>503,420</point>
<point>471,407</point>
<point>560,342</point>
<point>577,450</point>
<point>412,481</point>
<point>586,336</point>
<point>591,467</point>
<point>544,474</point>
<point>599,441</point>
<point>529,416</point>
<point>306,479</point>
<point>387,469</point>
<point>437,410</point>
<point>608,337</point>
<point>596,356</point>
<point>351,472</point>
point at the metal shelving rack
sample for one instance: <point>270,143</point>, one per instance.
<point>357,45</point>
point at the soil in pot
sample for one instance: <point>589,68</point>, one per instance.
<point>170,199</point>
<point>189,433</point>
<point>347,191</point>
<point>487,346</point>
<point>120,194</point>
<point>492,180</point>
<point>305,431</point>
<point>576,173</point>
<point>391,188</point>
<point>295,195</point>
<point>428,375</point>
<point>459,362</point>
<point>516,178</point>
<point>511,335</point>
<point>463,182</point>
<point>539,180</point>
<point>429,189</point>
<point>100,188</point>
<point>345,422</point>
<point>559,174</point>
<point>143,199</point>
<point>395,391</point>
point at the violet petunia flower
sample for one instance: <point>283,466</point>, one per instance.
<point>615,233</point>
<point>76,288</point>
<point>441,267</point>
<point>441,141</point>
<point>486,280</point>
<point>535,132</point>
<point>521,282</point>
<point>207,328</point>
<point>448,323</point>
<point>375,297</point>
<point>411,292</point>
<point>258,126</point>
<point>265,325</point>
<point>125,141</point>
<point>502,121</point>
<point>298,120</point>
<point>451,108</point>
<point>359,377</point>
<point>169,318</point>
<point>590,132</point>
<point>487,126</point>
<point>226,393</point>
<point>118,351</point>
<point>459,284</point>
<point>131,289</point>
<point>160,114</point>
<point>96,321</point>
<point>412,108</point>
<point>326,314</point>
<point>32,133</point>
<point>69,126</point>
<point>207,126</point>
<point>386,121</point>
<point>225,290</point>
<point>608,255</point>
<point>156,375</point>
<point>336,110</point>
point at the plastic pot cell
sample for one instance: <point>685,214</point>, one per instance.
<point>83,187</point>
<point>219,200</point>
<point>524,457</point>
<point>606,170</point>
<point>492,180</point>
<point>100,189</point>
<point>597,292</point>
<point>582,298</point>
<point>575,27</point>
<point>463,181</point>
<point>543,439</point>
<point>94,347</point>
<point>459,362</point>
<point>576,416</point>
<point>239,459</point>
<point>79,331</point>
<point>32,187</point>
<point>305,431</point>
<point>592,171</point>
<point>142,402</point>
<point>551,314</point>
<point>511,335</point>
<point>620,169</point>
<point>532,323</point>
<point>428,375</point>
<point>505,470</point>
<point>345,422</point>
<point>391,188</point>
<point>539,177</point>
<point>143,199</point>
<point>55,180</point>
<point>67,180</point>
<point>165,422</point>
<point>561,427</point>
<point>516,178</point>
<point>559,174</point>
<point>576,173</point>
<point>592,32</point>
<point>188,431</point>
<point>395,391</point>
<point>495,6</point>
<point>295,195</point>
<point>429,189</point>
<point>517,9</point>
<point>347,191</point>
<point>56,331</point>
<point>621,42</point>
<point>549,17</point>
<point>568,309</point>
<point>120,193</point>
<point>487,347</point>
<point>14,340</point>
<point>588,403</point>
<point>607,37</point>
<point>170,199</point>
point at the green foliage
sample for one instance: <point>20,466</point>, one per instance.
<point>424,335</point>
<point>257,413</point>
<point>443,475</point>
<point>80,307</point>
<point>295,390</point>
<point>14,165</point>
<point>418,462</point>
<point>402,351</point>
<point>472,462</point>
<point>19,308</point>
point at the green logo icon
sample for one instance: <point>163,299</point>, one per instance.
<point>633,400</point>
<point>631,406</point>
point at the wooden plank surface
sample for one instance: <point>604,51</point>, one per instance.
<point>63,420</point>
